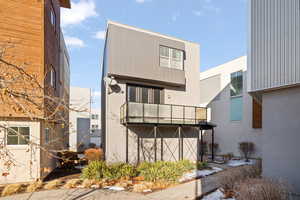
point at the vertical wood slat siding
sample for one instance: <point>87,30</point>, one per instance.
<point>275,43</point>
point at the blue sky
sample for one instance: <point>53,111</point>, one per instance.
<point>219,26</point>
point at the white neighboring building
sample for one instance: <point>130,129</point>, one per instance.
<point>80,100</point>
<point>95,136</point>
<point>230,106</point>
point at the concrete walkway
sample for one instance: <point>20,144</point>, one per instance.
<point>186,191</point>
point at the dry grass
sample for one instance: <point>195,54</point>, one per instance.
<point>53,184</point>
<point>72,183</point>
<point>261,189</point>
<point>229,179</point>
<point>11,189</point>
<point>34,186</point>
<point>87,183</point>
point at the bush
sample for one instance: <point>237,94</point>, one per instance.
<point>264,189</point>
<point>120,170</point>
<point>93,154</point>
<point>163,170</point>
<point>94,170</point>
<point>98,170</point>
<point>202,165</point>
<point>247,149</point>
<point>11,189</point>
<point>236,175</point>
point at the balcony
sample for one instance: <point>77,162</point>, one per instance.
<point>144,113</point>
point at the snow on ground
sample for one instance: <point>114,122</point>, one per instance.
<point>115,188</point>
<point>236,163</point>
<point>216,195</point>
<point>199,173</point>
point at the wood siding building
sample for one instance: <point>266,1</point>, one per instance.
<point>30,35</point>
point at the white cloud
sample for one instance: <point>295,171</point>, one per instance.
<point>100,35</point>
<point>142,1</point>
<point>198,12</point>
<point>175,17</point>
<point>80,11</point>
<point>74,41</point>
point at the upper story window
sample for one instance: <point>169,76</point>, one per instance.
<point>18,135</point>
<point>236,84</point>
<point>52,77</point>
<point>144,94</point>
<point>53,18</point>
<point>236,94</point>
<point>171,58</point>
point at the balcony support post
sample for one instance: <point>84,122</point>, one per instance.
<point>155,143</point>
<point>138,149</point>
<point>126,144</point>
<point>202,149</point>
<point>161,148</point>
<point>180,151</point>
<point>213,142</point>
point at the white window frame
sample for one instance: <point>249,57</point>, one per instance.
<point>17,126</point>
<point>171,59</point>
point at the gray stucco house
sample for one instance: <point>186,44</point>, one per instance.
<point>274,78</point>
<point>150,96</point>
<point>223,90</point>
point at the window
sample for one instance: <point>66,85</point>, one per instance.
<point>47,135</point>
<point>236,85</point>
<point>144,94</point>
<point>18,135</point>
<point>52,77</point>
<point>171,58</point>
<point>236,94</point>
<point>94,116</point>
<point>52,17</point>
<point>236,109</point>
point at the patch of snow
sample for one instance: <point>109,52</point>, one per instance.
<point>147,190</point>
<point>216,195</point>
<point>115,188</point>
<point>237,163</point>
<point>199,173</point>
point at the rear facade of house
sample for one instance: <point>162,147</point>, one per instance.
<point>274,77</point>
<point>150,101</point>
<point>223,90</point>
<point>33,30</point>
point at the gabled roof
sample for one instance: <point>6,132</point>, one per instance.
<point>65,3</point>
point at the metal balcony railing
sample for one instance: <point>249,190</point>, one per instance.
<point>144,113</point>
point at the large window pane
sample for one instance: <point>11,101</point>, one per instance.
<point>145,95</point>
<point>236,86</point>
<point>132,94</point>
<point>236,109</point>
<point>12,140</point>
<point>157,96</point>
